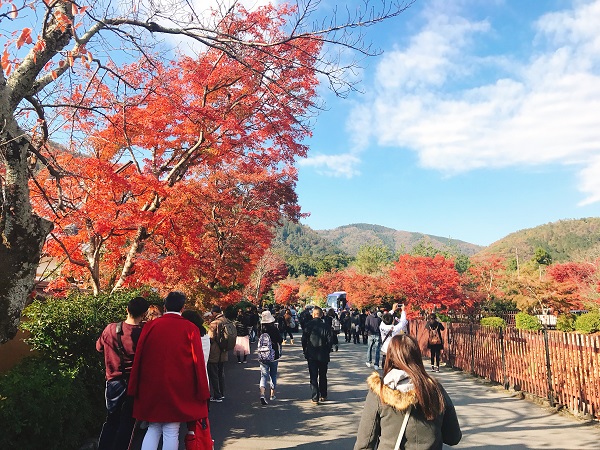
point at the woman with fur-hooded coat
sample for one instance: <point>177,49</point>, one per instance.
<point>432,421</point>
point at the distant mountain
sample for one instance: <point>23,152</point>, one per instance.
<point>351,237</point>
<point>565,240</point>
<point>306,252</point>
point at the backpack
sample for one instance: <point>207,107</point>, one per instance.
<point>291,323</point>
<point>434,336</point>
<point>335,324</point>
<point>227,335</point>
<point>264,350</point>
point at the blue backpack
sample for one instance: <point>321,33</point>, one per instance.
<point>264,349</point>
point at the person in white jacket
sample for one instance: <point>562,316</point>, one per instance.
<point>391,327</point>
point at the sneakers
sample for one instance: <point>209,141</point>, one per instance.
<point>433,368</point>
<point>216,400</point>
<point>272,398</point>
<point>376,367</point>
<point>245,362</point>
<point>323,399</point>
<point>436,369</point>
<point>368,364</point>
<point>263,401</point>
<point>314,402</point>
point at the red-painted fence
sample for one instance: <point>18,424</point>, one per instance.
<point>562,367</point>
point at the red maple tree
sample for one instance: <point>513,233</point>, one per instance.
<point>427,283</point>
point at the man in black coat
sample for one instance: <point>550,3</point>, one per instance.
<point>316,346</point>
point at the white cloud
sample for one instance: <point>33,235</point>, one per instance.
<point>343,166</point>
<point>540,111</point>
<point>590,182</point>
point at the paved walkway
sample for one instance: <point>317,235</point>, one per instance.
<point>490,418</point>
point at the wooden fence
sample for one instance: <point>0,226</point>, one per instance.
<point>561,367</point>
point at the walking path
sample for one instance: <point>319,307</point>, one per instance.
<point>490,417</point>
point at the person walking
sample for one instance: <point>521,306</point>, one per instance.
<point>346,325</point>
<point>289,326</point>
<point>316,347</point>
<point>362,318</point>
<point>217,356</point>
<point>269,352</point>
<point>332,321</point>
<point>355,325</point>
<point>168,378</point>
<point>406,408</point>
<point>389,329</point>
<point>118,342</point>
<point>372,323</point>
<point>435,342</point>
<point>242,341</point>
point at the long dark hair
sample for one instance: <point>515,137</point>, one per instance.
<point>404,353</point>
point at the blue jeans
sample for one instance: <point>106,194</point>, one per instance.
<point>116,431</point>
<point>268,374</point>
<point>373,343</point>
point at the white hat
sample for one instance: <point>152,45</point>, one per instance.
<point>267,317</point>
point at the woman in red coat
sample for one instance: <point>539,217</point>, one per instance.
<point>168,379</point>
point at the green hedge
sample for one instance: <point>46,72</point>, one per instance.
<point>565,323</point>
<point>524,321</point>
<point>64,332</point>
<point>43,406</point>
<point>495,322</point>
<point>66,329</point>
<point>588,323</point>
<point>443,318</point>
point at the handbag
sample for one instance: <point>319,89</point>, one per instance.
<point>403,429</point>
<point>201,440</point>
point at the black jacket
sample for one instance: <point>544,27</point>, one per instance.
<point>317,340</point>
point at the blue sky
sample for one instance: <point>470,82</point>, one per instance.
<point>480,118</point>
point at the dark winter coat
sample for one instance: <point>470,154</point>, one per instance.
<point>317,340</point>
<point>383,415</point>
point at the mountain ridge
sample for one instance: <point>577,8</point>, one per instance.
<point>351,237</point>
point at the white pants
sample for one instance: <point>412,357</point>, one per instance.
<point>169,432</point>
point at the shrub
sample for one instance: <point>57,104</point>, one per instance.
<point>443,318</point>
<point>527,322</point>
<point>495,322</point>
<point>65,330</point>
<point>43,406</point>
<point>588,323</point>
<point>565,323</point>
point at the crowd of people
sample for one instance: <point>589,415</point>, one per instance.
<point>163,368</point>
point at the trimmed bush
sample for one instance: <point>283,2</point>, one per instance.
<point>525,321</point>
<point>443,318</point>
<point>66,329</point>
<point>565,323</point>
<point>64,332</point>
<point>494,322</point>
<point>588,323</point>
<point>45,407</point>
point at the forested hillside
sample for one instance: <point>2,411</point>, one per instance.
<point>564,240</point>
<point>351,237</point>
<point>306,252</point>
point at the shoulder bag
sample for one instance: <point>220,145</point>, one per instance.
<point>403,429</point>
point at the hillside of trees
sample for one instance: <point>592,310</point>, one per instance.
<point>306,252</point>
<point>565,240</point>
<point>350,238</point>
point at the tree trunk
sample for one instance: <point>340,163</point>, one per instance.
<point>22,236</point>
